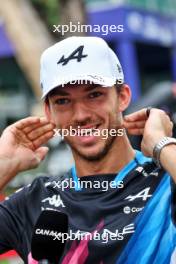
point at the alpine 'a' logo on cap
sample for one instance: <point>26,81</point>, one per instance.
<point>76,54</point>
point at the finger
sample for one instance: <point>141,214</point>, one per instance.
<point>133,125</point>
<point>172,125</point>
<point>135,132</point>
<point>43,139</point>
<point>41,153</point>
<point>38,132</point>
<point>136,116</point>
<point>26,122</point>
<point>43,121</point>
<point>171,129</point>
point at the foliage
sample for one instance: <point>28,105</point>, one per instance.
<point>48,10</point>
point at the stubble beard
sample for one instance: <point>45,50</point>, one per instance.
<point>109,142</point>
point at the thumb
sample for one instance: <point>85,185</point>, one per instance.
<point>41,153</point>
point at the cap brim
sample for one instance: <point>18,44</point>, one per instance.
<point>80,80</point>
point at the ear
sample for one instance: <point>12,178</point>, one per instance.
<point>48,111</point>
<point>124,97</point>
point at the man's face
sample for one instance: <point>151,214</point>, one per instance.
<point>86,107</point>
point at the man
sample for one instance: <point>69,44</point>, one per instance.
<point>131,221</point>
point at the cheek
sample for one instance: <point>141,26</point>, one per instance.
<point>60,122</point>
<point>56,118</point>
<point>113,115</point>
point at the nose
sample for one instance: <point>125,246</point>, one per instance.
<point>81,114</point>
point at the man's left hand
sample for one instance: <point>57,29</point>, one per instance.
<point>153,128</point>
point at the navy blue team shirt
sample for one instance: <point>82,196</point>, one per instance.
<point>135,224</point>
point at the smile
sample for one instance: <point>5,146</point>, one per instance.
<point>87,130</point>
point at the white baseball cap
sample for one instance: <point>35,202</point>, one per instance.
<point>79,58</point>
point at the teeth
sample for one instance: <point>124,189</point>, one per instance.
<point>88,131</point>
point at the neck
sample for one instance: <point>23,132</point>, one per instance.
<point>120,154</point>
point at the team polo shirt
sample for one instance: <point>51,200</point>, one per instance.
<point>131,222</point>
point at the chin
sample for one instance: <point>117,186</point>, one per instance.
<point>93,153</point>
<point>91,156</point>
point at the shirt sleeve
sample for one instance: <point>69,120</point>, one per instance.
<point>12,221</point>
<point>18,214</point>
<point>173,201</point>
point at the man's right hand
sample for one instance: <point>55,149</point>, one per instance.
<point>21,146</point>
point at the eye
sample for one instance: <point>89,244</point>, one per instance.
<point>62,101</point>
<point>95,94</point>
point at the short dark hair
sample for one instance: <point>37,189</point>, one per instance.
<point>118,87</point>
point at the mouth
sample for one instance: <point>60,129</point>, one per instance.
<point>88,130</point>
<point>87,135</point>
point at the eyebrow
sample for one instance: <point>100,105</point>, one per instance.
<point>59,92</point>
<point>92,87</point>
<point>64,93</point>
